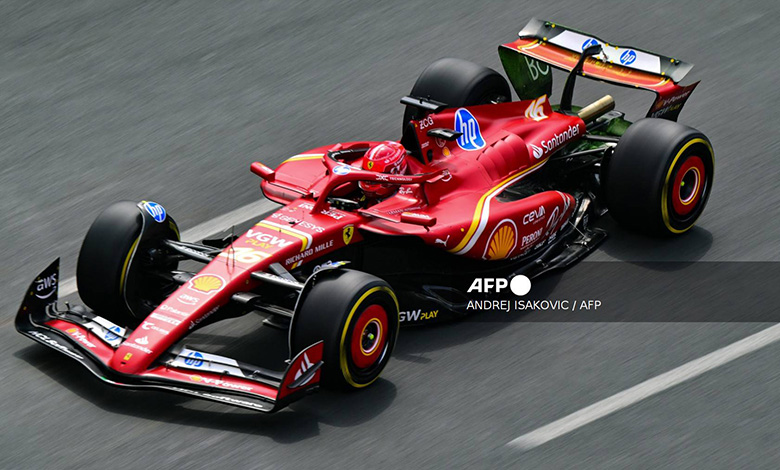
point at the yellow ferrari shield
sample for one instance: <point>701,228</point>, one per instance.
<point>347,233</point>
<point>370,164</point>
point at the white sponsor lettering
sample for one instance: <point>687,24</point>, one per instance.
<point>44,288</point>
<point>151,326</point>
<point>220,383</point>
<point>55,344</point>
<point>559,139</point>
<point>535,110</point>
<point>135,346</point>
<point>165,319</point>
<point>187,299</point>
<point>534,216</point>
<point>531,238</point>
<point>80,337</point>
<point>175,311</point>
<point>271,240</point>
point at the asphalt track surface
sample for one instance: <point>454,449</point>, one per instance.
<point>105,100</point>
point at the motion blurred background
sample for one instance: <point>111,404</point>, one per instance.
<point>171,101</point>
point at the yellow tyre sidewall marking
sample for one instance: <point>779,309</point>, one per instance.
<point>665,191</point>
<point>343,351</point>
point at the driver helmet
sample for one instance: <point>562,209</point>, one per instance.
<point>386,157</point>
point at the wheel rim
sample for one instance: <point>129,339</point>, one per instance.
<point>689,184</point>
<point>369,337</point>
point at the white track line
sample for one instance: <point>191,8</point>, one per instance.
<point>646,389</point>
<point>199,232</point>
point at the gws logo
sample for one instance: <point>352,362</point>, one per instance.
<point>628,57</point>
<point>467,125</point>
<point>589,42</point>
<point>157,211</point>
<point>535,110</point>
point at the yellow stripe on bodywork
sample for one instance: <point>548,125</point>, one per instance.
<point>305,156</point>
<point>478,212</point>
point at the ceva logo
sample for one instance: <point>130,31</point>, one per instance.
<point>467,125</point>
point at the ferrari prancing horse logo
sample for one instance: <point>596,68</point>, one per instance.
<point>347,233</point>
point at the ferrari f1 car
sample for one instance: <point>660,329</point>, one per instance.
<point>484,185</point>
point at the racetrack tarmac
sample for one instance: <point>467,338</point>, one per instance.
<point>171,101</point>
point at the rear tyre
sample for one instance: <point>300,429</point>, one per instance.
<point>458,83</point>
<point>356,315</point>
<point>659,178</point>
<point>112,252</point>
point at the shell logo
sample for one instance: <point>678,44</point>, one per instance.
<point>502,241</point>
<point>196,378</point>
<point>207,283</point>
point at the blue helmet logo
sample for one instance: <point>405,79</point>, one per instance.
<point>194,359</point>
<point>589,42</point>
<point>628,57</point>
<point>467,125</point>
<point>157,211</point>
<point>342,170</point>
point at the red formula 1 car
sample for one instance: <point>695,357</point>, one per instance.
<point>477,185</point>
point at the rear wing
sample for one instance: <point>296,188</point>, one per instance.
<point>542,44</point>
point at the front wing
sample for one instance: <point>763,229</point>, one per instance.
<point>92,340</point>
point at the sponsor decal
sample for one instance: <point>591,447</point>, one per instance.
<point>175,311</point>
<point>468,126</point>
<point>147,325</point>
<point>370,164</point>
<point>531,238</point>
<point>405,209</point>
<point>113,333</point>
<point>80,337</point>
<point>207,283</point>
<point>300,256</point>
<point>135,346</point>
<point>588,43</point>
<point>628,57</point>
<point>46,287</point>
<point>426,122</point>
<point>194,359</point>
<point>440,142</point>
<point>187,299</point>
<point>196,322</point>
<point>305,365</point>
<point>333,214</point>
<point>165,319</point>
<point>342,170</point>
<point>298,223</point>
<point>502,241</point>
<point>157,211</point>
<point>328,265</point>
<point>127,356</point>
<point>536,68</point>
<point>244,254</point>
<point>267,240</point>
<point>405,190</point>
<point>142,340</point>
<point>535,110</point>
<point>323,246</point>
<point>534,216</point>
<point>55,344</point>
<point>347,233</point>
<point>537,152</point>
<point>446,152</point>
<point>444,242</point>
<point>220,383</point>
<point>558,139</point>
<point>417,315</point>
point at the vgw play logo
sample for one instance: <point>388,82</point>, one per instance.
<point>468,126</point>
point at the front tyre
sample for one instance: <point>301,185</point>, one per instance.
<point>356,315</point>
<point>659,178</point>
<point>117,270</point>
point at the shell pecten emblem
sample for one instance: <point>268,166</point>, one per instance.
<point>502,241</point>
<point>207,283</point>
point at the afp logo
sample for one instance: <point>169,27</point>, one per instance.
<point>467,125</point>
